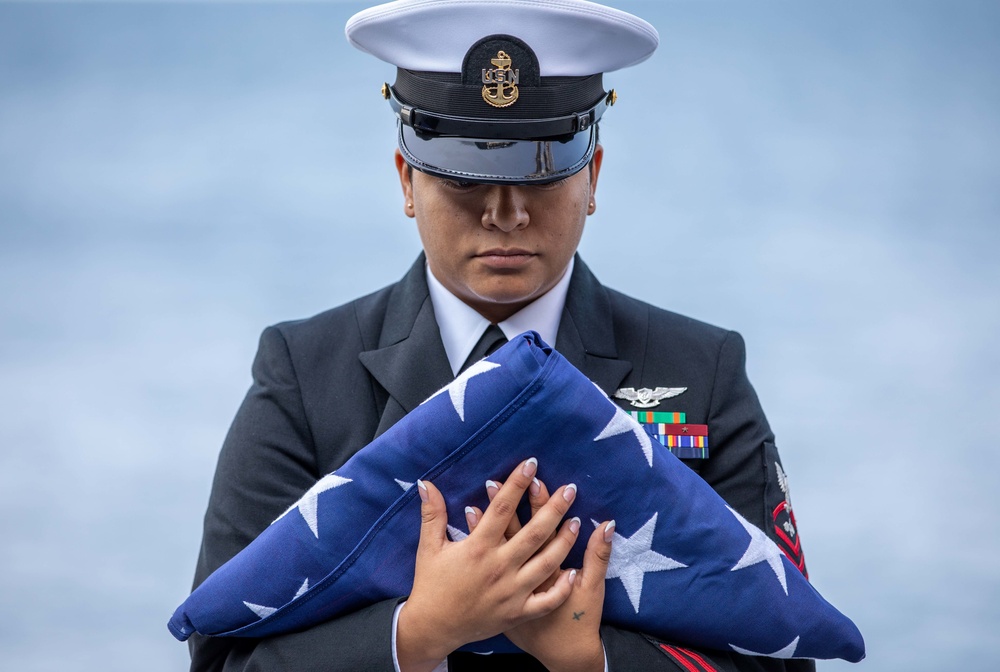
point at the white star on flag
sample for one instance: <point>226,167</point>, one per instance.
<point>623,423</point>
<point>761,549</point>
<point>456,534</point>
<point>302,589</point>
<point>307,504</point>
<point>456,388</point>
<point>403,484</point>
<point>264,612</point>
<point>787,652</point>
<point>631,558</point>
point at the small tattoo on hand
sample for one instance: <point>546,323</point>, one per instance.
<point>578,614</point>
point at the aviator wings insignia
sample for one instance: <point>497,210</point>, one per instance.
<point>647,398</point>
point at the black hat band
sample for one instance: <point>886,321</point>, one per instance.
<point>426,122</point>
<point>444,93</point>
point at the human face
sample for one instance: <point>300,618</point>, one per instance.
<point>499,247</point>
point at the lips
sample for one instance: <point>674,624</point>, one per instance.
<point>512,257</point>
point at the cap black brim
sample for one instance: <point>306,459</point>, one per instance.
<point>497,161</point>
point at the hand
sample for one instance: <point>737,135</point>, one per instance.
<point>485,584</point>
<point>567,638</point>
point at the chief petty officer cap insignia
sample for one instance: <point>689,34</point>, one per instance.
<point>500,91</point>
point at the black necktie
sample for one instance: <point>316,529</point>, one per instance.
<point>489,342</point>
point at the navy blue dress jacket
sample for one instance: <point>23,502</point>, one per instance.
<point>324,387</point>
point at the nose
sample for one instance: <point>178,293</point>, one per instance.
<point>505,208</point>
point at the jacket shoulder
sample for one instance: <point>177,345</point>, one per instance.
<point>640,325</point>
<point>355,325</point>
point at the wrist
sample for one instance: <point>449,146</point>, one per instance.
<point>584,657</point>
<point>420,646</point>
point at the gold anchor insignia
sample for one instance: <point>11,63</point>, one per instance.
<point>504,80</point>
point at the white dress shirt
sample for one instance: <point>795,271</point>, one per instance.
<point>461,326</point>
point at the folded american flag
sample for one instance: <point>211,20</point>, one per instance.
<point>684,566</point>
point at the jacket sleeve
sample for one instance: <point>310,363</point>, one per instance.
<point>629,651</point>
<point>740,434</point>
<point>267,461</point>
<point>740,470</point>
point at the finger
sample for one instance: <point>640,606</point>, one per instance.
<point>538,494</point>
<point>492,488</point>
<point>514,526</point>
<point>433,518</point>
<point>597,556</point>
<point>502,509</point>
<point>541,527</point>
<point>537,571</point>
<point>545,602</point>
<point>547,583</point>
<point>535,489</point>
<point>472,516</point>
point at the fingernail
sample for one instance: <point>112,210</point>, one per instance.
<point>470,516</point>
<point>535,487</point>
<point>574,525</point>
<point>572,576</point>
<point>422,490</point>
<point>492,489</point>
<point>609,532</point>
<point>569,492</point>
<point>530,467</point>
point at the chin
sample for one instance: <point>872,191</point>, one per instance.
<point>512,299</point>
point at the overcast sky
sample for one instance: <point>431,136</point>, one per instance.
<point>821,177</point>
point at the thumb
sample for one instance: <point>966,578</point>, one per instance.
<point>433,517</point>
<point>597,556</point>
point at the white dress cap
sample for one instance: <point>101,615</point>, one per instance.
<point>572,38</point>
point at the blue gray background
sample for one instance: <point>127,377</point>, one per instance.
<point>822,177</point>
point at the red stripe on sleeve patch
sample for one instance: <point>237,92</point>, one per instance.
<point>688,659</point>
<point>701,661</point>
<point>679,659</point>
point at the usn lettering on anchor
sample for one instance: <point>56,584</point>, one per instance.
<point>504,80</point>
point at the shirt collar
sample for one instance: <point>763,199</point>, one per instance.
<point>461,326</point>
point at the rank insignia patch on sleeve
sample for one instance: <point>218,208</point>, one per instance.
<point>786,532</point>
<point>673,432</point>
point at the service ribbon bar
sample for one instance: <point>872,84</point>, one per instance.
<point>649,417</point>
<point>671,429</point>
<point>685,447</point>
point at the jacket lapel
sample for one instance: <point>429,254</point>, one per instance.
<point>586,331</point>
<point>410,361</point>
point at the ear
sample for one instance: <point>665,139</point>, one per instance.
<point>595,171</point>
<point>404,170</point>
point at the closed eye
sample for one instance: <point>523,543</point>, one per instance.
<point>459,185</point>
<point>552,185</point>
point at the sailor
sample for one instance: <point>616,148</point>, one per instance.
<point>497,106</point>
